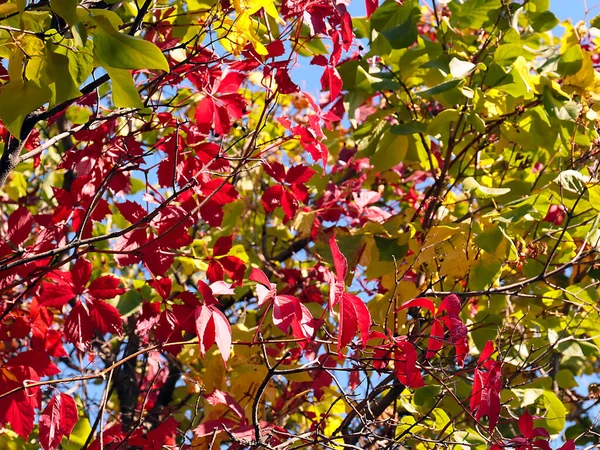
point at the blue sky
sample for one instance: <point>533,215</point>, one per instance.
<point>574,9</point>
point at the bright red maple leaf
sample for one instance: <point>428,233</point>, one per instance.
<point>290,191</point>
<point>222,263</point>
<point>404,355</point>
<point>84,318</point>
<point>221,104</point>
<point>531,437</point>
<point>18,408</point>
<point>57,420</point>
<point>354,314</point>
<point>18,229</point>
<point>452,321</point>
<point>487,384</point>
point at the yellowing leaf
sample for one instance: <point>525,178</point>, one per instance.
<point>19,99</point>
<point>58,70</point>
<point>125,94</point>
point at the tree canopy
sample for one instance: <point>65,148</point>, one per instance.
<point>198,252</point>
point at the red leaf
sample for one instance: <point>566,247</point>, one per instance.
<point>55,294</point>
<point>160,436</point>
<point>222,333</point>
<point>318,60</point>
<point>205,328</point>
<point>205,111</point>
<point>222,120</point>
<point>487,351</point>
<point>20,414</point>
<point>332,81</point>
<point>284,311</point>
<point>207,293</point>
<point>105,287</point>
<point>231,82</point>
<point>163,286</point>
<point>260,277</point>
<point>420,303</point>
<point>57,420</point>
<point>212,213</point>
<point>526,424</point>
<point>485,395</point>
<point>105,317</point>
<point>371,6</point>
<point>275,170</point>
<point>222,194</point>
<point>79,329</point>
<point>285,85</point>
<point>37,360</point>
<point>271,198</point>
<point>299,174</point>
<point>212,327</point>
<point>436,339</point>
<point>289,204</point>
<point>339,260</point>
<point>275,49</point>
<point>211,426</point>
<point>18,408</point>
<point>223,245</point>
<point>354,316</point>
<point>450,304</point>
<point>215,271</point>
<point>405,364</point>
<point>132,211</point>
<point>218,397</point>
<point>19,226</point>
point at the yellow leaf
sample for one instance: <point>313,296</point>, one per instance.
<point>587,80</point>
<point>252,6</point>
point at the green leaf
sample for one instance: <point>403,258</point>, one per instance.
<point>58,71</point>
<point>506,54</point>
<point>121,51</point>
<point>490,239</point>
<point>390,151</point>
<point>405,34</point>
<point>389,249</point>
<point>477,122</point>
<point>397,24</point>
<point>129,302</point>
<point>440,88</point>
<point>571,61</point>
<point>67,9</point>
<point>477,190</point>
<point>78,436</point>
<point>483,274</point>
<point>554,415</point>
<point>125,94</point>
<point>19,99</point>
<point>544,21</point>
<point>474,13</point>
<point>565,379</point>
<point>409,128</point>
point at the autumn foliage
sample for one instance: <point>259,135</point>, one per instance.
<point>199,251</point>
